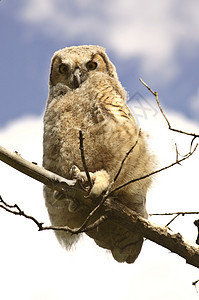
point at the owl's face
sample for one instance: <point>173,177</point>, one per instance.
<point>72,66</point>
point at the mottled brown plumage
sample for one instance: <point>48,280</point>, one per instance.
<point>85,94</point>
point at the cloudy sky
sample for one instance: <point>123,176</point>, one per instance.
<point>157,40</point>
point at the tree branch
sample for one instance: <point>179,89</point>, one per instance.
<point>50,179</point>
<point>176,213</point>
<point>158,234</point>
<point>81,147</point>
<point>125,158</point>
<point>16,210</point>
<point>168,123</point>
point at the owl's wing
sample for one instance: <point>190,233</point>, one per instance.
<point>116,108</point>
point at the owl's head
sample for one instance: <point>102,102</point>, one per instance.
<point>72,66</point>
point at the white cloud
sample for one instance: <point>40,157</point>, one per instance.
<point>33,265</point>
<point>152,31</point>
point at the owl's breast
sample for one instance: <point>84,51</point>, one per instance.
<point>63,120</point>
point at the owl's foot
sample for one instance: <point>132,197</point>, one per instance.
<point>100,180</point>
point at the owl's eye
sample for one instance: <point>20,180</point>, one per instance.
<point>63,69</point>
<point>91,65</point>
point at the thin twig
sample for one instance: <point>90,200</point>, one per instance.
<point>154,172</point>
<point>84,224</point>
<point>16,210</point>
<point>78,230</point>
<point>176,213</point>
<point>81,147</point>
<point>94,210</point>
<point>191,144</point>
<point>126,156</point>
<point>171,220</point>
<point>177,152</point>
<point>194,283</point>
<point>168,123</point>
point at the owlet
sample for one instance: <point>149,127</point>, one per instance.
<point>85,94</point>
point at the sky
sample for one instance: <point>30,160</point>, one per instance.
<point>157,40</point>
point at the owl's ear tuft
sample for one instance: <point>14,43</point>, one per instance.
<point>56,61</point>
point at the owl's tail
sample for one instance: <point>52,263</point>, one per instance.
<point>128,253</point>
<point>125,245</point>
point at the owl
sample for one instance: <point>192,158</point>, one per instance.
<point>85,94</point>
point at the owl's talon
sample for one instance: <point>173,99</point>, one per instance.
<point>100,180</point>
<point>80,177</point>
<point>74,171</point>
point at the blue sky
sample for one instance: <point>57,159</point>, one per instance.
<point>157,40</point>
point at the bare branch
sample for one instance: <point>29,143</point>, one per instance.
<point>126,156</point>
<point>154,172</point>
<point>95,209</point>
<point>168,123</point>
<point>59,183</point>
<point>81,229</point>
<point>16,210</point>
<point>176,213</point>
<point>194,283</point>
<point>81,147</point>
<point>171,220</point>
<point>51,180</point>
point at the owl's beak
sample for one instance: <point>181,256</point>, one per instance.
<point>77,78</point>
